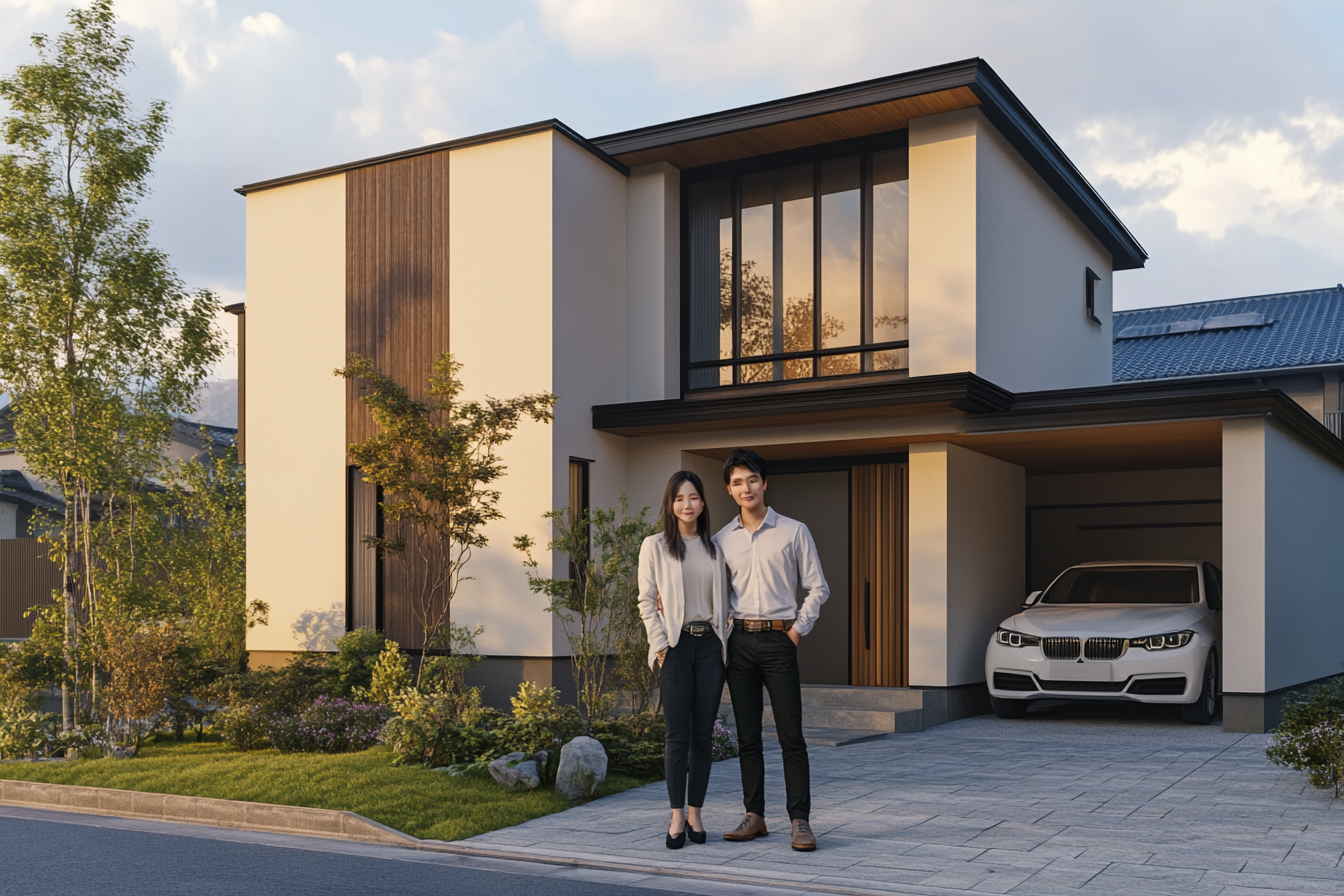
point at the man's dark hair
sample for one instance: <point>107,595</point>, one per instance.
<point>744,457</point>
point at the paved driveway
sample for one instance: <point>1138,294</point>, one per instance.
<point>1070,800</point>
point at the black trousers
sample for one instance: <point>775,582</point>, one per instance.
<point>769,659</point>
<point>692,686</point>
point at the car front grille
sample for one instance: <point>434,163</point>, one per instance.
<point>1105,648</point>
<point>1159,687</point>
<point>1104,687</point>
<point>1061,648</point>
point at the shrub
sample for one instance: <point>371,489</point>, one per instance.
<point>428,731</point>
<point>390,677</point>
<point>27,735</point>
<point>243,727</point>
<point>330,725</point>
<point>1311,736</point>
<point>634,743</point>
<point>540,721</point>
<point>289,689</point>
<point>352,665</point>
<point>725,741</point>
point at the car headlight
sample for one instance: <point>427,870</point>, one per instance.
<point>1169,641</point>
<point>1016,639</point>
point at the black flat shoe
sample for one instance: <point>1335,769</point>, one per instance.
<point>678,841</point>
<point>696,836</point>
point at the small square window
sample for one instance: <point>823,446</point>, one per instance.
<point>1091,287</point>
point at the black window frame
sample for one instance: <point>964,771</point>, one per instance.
<point>1090,291</point>
<point>738,168</point>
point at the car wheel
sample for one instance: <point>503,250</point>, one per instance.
<point>1008,709</point>
<point>1201,712</point>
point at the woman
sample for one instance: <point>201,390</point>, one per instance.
<point>683,599</point>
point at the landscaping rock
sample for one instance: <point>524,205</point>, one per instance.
<point>583,768</point>
<point>516,772</point>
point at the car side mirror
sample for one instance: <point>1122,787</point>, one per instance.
<point>1032,599</point>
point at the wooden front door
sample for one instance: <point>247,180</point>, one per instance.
<point>878,608</point>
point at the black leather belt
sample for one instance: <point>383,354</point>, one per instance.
<point>698,628</point>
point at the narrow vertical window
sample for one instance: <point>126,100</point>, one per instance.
<point>891,257</point>
<point>579,469</point>
<point>1092,278</point>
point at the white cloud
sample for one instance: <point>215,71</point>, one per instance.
<point>266,24</point>
<point>1266,179</point>
<point>418,97</point>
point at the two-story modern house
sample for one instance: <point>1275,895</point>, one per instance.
<point>899,292</point>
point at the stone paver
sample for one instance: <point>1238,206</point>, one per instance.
<point>1085,801</point>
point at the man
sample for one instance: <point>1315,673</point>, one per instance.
<point>768,556</point>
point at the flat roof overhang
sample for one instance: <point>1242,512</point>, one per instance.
<point>1112,428</point>
<point>875,107</point>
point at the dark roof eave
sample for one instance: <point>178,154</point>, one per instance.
<point>991,408</point>
<point>963,392</point>
<point>1003,109</point>
<point>553,124</point>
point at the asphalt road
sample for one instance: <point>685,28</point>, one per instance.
<point>53,854</point>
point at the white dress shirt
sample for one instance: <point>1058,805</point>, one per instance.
<point>765,568</point>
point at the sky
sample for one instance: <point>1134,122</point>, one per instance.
<point>1214,129</point>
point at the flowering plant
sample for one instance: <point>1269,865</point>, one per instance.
<point>725,741</point>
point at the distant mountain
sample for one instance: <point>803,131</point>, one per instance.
<point>218,404</point>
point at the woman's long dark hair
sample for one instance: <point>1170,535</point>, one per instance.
<point>671,531</point>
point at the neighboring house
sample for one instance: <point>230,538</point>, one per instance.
<point>1292,341</point>
<point>27,576</point>
<point>899,292</point>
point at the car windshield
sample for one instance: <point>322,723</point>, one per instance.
<point>1125,585</point>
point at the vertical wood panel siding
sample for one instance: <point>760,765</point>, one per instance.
<point>878,585</point>
<point>397,315</point>
<point>27,579</point>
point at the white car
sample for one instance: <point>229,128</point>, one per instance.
<point>1147,631</point>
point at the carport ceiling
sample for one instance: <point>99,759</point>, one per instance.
<point>1092,449</point>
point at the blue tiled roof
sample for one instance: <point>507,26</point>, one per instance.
<point>1302,329</point>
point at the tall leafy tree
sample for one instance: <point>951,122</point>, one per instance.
<point>101,344</point>
<point>437,462</point>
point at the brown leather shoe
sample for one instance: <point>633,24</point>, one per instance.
<point>752,826</point>
<point>803,838</point>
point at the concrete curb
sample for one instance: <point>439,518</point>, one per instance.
<point>340,825</point>
<point>201,810</point>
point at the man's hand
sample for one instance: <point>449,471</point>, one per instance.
<point>794,636</point>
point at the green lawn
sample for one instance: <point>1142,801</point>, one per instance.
<point>422,803</point>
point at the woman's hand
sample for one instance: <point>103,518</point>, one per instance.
<point>660,603</point>
<point>662,654</point>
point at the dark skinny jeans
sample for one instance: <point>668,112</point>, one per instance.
<point>692,686</point>
<point>769,659</point>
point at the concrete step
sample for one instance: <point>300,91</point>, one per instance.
<point>848,719</point>
<point>843,697</point>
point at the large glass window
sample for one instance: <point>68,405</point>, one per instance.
<point>799,272</point>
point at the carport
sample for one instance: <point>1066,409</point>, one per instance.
<point>935,522</point>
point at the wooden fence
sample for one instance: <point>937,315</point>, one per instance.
<point>27,579</point>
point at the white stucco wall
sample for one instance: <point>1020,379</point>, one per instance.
<point>997,261</point>
<point>942,244</point>
<point>500,284</point>
<point>653,241</point>
<point>296,411</point>
<point>9,520</point>
<point>967,544</point>
<point>589,354</point>
<point>1283,610</point>
<point>1032,330</point>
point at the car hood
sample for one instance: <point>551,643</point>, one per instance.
<point>1106,620</point>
